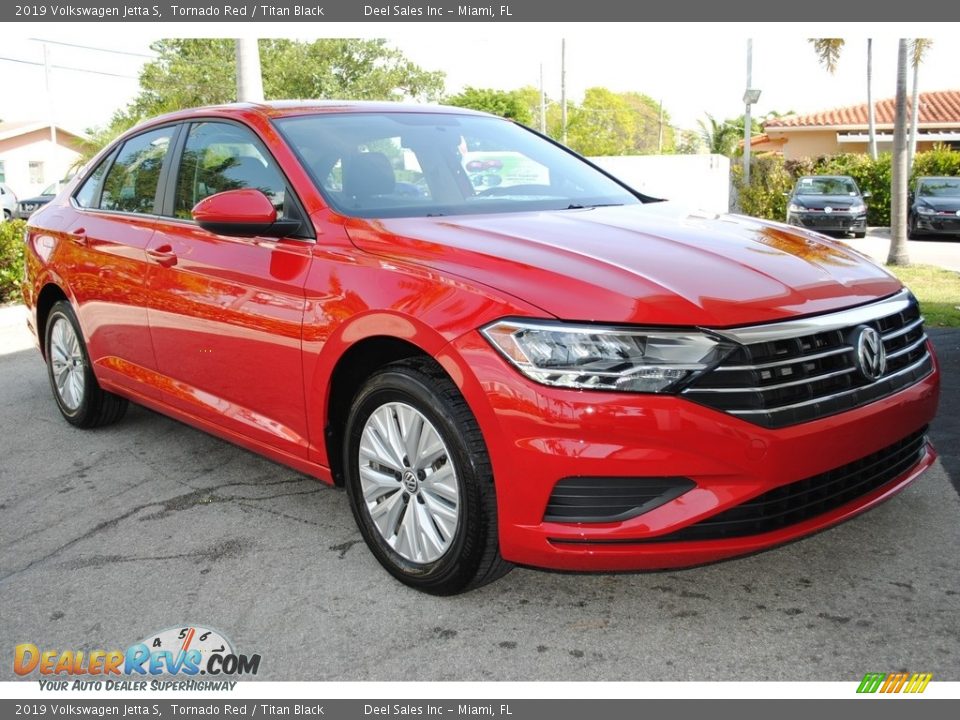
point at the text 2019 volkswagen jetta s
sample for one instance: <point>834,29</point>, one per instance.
<point>504,354</point>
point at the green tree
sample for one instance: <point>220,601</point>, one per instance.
<point>193,72</point>
<point>513,104</point>
<point>722,137</point>
<point>609,123</point>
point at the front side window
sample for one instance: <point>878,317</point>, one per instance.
<point>88,195</point>
<point>421,164</point>
<point>131,183</point>
<point>221,156</point>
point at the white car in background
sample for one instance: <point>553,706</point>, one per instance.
<point>8,202</point>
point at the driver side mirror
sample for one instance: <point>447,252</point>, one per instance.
<point>241,213</point>
<point>867,195</point>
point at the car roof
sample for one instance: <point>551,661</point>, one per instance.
<point>938,177</point>
<point>286,108</point>
<point>826,177</point>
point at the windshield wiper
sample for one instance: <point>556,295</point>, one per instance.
<point>576,206</point>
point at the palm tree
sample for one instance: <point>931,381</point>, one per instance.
<point>871,115</point>
<point>919,49</point>
<point>898,185</point>
<point>828,50</point>
<point>720,137</point>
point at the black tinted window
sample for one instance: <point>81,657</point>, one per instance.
<point>131,184</point>
<point>89,193</point>
<point>222,156</point>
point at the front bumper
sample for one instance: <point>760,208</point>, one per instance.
<point>829,222</point>
<point>537,435</point>
<point>938,224</point>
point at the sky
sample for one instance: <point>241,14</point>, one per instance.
<point>693,68</point>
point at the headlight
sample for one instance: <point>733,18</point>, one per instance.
<point>794,208</point>
<point>924,210</point>
<point>857,209</point>
<point>604,358</point>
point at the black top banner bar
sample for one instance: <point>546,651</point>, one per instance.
<point>447,11</point>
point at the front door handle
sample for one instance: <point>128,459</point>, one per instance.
<point>163,255</point>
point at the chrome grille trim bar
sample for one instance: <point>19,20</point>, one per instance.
<point>819,323</point>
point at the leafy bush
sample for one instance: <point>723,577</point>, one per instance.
<point>11,259</point>
<point>771,175</point>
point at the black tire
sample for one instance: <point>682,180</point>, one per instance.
<point>860,234</point>
<point>472,557</point>
<point>92,406</point>
<point>912,233</point>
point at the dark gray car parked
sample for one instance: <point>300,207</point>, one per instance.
<point>935,207</point>
<point>831,204</point>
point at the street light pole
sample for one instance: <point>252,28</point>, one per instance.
<point>747,129</point>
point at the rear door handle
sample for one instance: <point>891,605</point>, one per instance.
<point>79,237</point>
<point>163,255</point>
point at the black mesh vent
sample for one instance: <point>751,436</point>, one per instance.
<point>805,499</point>
<point>598,499</point>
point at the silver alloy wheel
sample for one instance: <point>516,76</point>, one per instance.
<point>66,359</point>
<point>409,484</point>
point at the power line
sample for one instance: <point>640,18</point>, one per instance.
<point>98,49</point>
<point>64,67</point>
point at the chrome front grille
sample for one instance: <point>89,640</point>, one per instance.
<point>801,370</point>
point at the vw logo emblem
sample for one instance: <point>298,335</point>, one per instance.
<point>958,213</point>
<point>871,355</point>
<point>828,209</point>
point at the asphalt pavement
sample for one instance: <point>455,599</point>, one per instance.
<point>107,536</point>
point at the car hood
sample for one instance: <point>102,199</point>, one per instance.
<point>648,264</point>
<point>821,201</point>
<point>940,204</point>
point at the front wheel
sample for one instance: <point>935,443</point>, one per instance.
<point>419,480</point>
<point>81,400</point>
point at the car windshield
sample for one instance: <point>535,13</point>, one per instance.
<point>940,188</point>
<point>826,186</point>
<point>428,164</point>
<point>51,189</point>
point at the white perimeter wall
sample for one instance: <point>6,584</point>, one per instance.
<point>698,181</point>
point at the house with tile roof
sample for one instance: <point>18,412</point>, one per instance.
<point>844,130</point>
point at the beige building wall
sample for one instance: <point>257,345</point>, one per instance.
<point>50,161</point>
<point>815,143</point>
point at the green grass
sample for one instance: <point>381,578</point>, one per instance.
<point>938,291</point>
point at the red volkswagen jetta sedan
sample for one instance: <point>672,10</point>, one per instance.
<point>503,353</point>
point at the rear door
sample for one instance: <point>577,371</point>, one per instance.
<point>113,219</point>
<point>225,312</point>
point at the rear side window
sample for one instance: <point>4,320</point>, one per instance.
<point>131,183</point>
<point>221,156</point>
<point>88,196</point>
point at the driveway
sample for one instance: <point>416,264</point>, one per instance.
<point>935,251</point>
<point>109,535</point>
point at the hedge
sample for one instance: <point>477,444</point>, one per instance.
<point>771,176</point>
<point>11,259</point>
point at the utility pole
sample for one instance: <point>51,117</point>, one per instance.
<point>563,90</point>
<point>50,105</point>
<point>543,104</point>
<point>747,129</point>
<point>660,135</point>
<point>249,78</point>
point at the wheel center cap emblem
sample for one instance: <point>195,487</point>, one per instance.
<point>871,355</point>
<point>410,482</point>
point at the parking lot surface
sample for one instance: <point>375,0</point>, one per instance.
<point>107,536</point>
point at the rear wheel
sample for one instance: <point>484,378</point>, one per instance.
<point>419,480</point>
<point>81,400</point>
